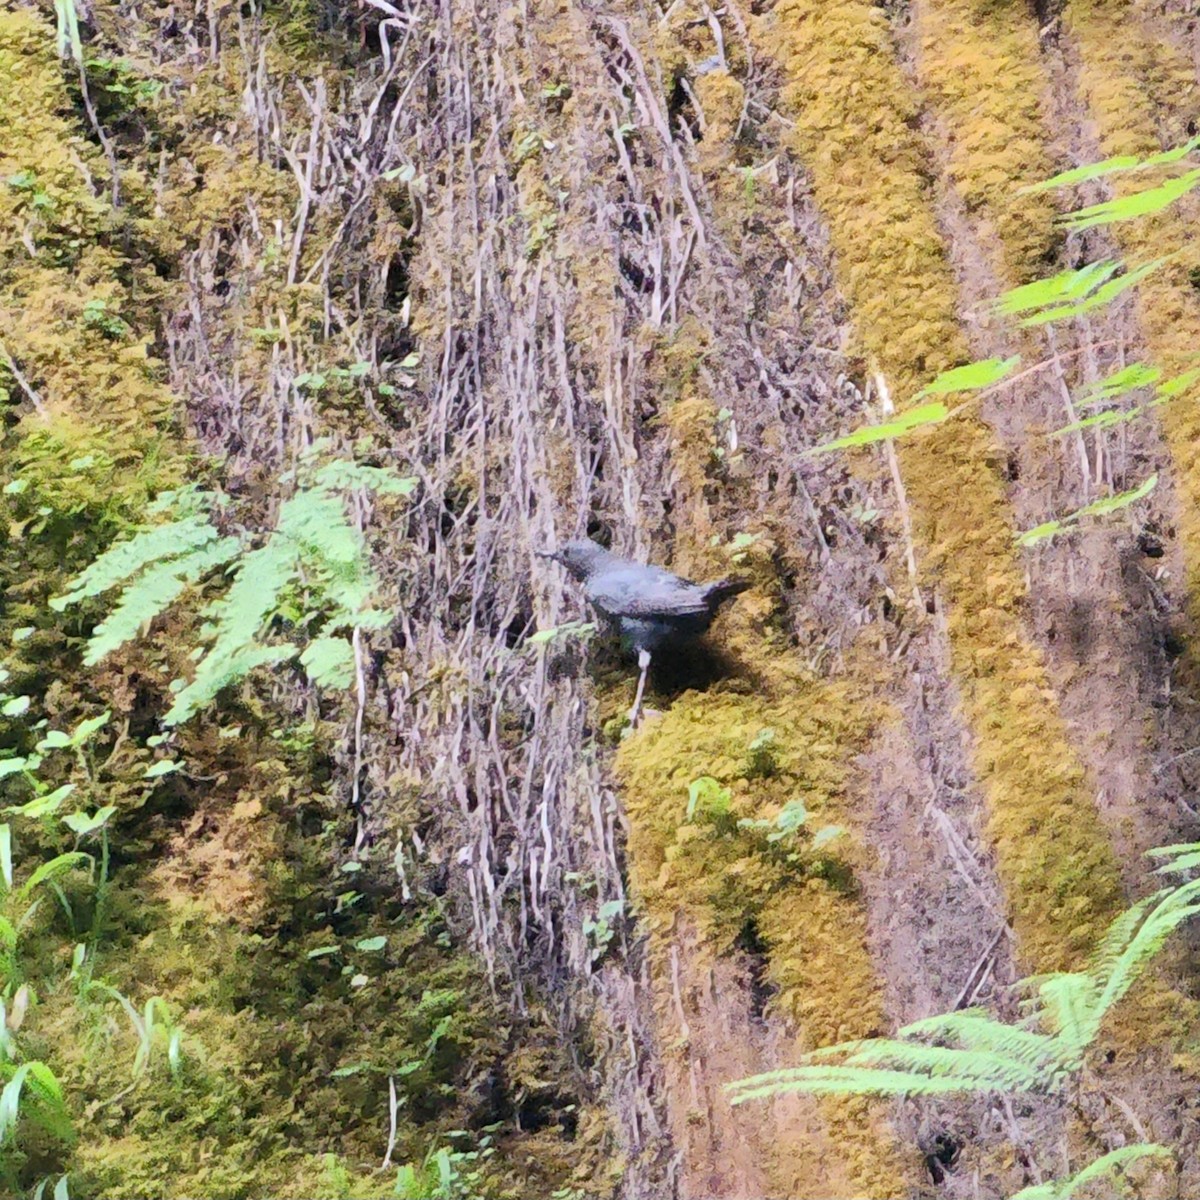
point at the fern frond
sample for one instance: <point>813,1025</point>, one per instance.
<point>1184,856</point>
<point>153,592</point>
<point>342,475</point>
<point>217,671</point>
<point>240,614</point>
<point>333,550</point>
<point>329,662</point>
<point>1071,1006</point>
<point>841,1081</point>
<point>977,1030</point>
<point>1174,907</point>
<point>1103,1167</point>
<point>126,559</point>
<point>975,1069</point>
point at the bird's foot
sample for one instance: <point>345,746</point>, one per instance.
<point>644,664</point>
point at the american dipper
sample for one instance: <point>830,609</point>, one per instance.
<point>650,607</point>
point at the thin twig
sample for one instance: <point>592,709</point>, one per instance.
<point>24,383</point>
<point>910,553</point>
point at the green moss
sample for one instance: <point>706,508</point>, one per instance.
<point>854,131</point>
<point>725,870</point>
<point>1135,86</point>
<point>982,65</point>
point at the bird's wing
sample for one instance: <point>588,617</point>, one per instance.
<point>645,592</point>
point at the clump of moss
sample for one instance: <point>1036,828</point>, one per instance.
<point>1139,91</point>
<point>855,118</point>
<point>763,849</point>
<point>982,64</point>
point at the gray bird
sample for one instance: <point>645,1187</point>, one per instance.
<point>650,607</point>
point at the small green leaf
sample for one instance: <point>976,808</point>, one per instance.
<point>1110,504</point>
<point>343,1072</point>
<point>1176,386</point>
<point>1124,162</point>
<point>80,824</point>
<point>55,740</point>
<point>56,866</point>
<point>15,707</point>
<point>322,951</point>
<point>404,174</point>
<point>1039,533</point>
<point>164,766</point>
<point>1098,508</point>
<point>580,629</point>
<point>827,834</point>
<point>1138,204</point>
<point>10,766</point>
<point>971,377</point>
<point>6,860</point>
<point>1135,375</point>
<point>329,662</point>
<point>915,418</point>
<point>371,944</point>
<point>359,981</point>
<point>1063,288</point>
<point>85,729</point>
<point>1102,296</point>
<point>16,487</point>
<point>23,634</point>
<point>43,806</point>
<point>707,798</point>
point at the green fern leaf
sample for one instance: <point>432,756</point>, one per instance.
<point>126,559</point>
<point>1137,204</point>
<point>153,592</point>
<point>1104,1167</point>
<point>329,662</point>
<point>218,671</point>
<point>842,1081</point>
<point>975,1029</point>
<point>342,475</point>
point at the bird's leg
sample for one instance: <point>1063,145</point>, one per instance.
<point>644,665</point>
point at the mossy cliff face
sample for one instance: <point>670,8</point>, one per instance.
<point>730,873</point>
<point>758,936</point>
<point>854,117</point>
<point>1142,94</point>
<point>298,988</point>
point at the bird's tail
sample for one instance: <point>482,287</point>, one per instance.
<point>715,594</point>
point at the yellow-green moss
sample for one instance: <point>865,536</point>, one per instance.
<point>725,878</point>
<point>1135,87</point>
<point>854,119</point>
<point>61,252</point>
<point>981,63</point>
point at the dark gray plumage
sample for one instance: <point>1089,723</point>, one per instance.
<point>649,606</point>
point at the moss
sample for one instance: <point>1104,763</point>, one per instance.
<point>1141,92</point>
<point>854,131</point>
<point>224,888</point>
<point>721,876</point>
<point>982,66</point>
